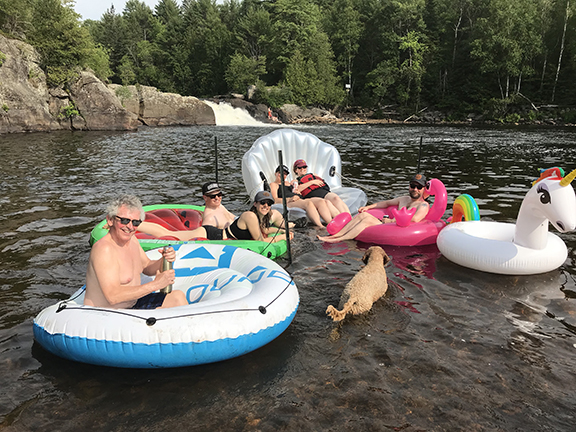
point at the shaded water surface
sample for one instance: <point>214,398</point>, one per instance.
<point>447,349</point>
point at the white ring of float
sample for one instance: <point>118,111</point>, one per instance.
<point>239,302</point>
<point>488,246</point>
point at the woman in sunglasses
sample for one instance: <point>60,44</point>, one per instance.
<point>312,186</point>
<point>415,199</point>
<point>258,223</point>
<point>314,207</point>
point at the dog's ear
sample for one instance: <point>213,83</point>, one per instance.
<point>367,254</point>
<point>386,258</point>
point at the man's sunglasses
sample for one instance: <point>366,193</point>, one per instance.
<point>266,202</point>
<point>219,194</point>
<point>416,186</point>
<point>126,221</point>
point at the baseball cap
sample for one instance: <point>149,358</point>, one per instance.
<point>210,188</point>
<point>264,196</point>
<point>285,169</point>
<point>299,164</point>
<point>420,179</point>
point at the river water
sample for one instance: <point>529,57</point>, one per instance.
<point>446,349</point>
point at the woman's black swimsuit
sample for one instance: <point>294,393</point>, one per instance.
<point>317,193</point>
<point>234,231</point>
<point>284,190</point>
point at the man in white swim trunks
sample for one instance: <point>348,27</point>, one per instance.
<point>215,217</point>
<point>117,260</point>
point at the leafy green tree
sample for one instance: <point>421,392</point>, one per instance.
<point>110,33</point>
<point>342,24</point>
<point>254,31</point>
<point>506,40</point>
<point>207,44</point>
<point>63,44</point>
<point>302,53</point>
<point>15,17</point>
<point>412,68</point>
<point>244,71</point>
<point>171,60</point>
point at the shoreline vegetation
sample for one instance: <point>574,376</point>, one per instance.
<point>347,61</point>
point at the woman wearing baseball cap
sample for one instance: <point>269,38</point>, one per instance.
<point>312,186</point>
<point>314,207</point>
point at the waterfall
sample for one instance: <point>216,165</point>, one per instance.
<point>227,115</point>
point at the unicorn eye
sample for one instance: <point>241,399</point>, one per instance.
<point>544,194</point>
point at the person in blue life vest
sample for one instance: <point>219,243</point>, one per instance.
<point>312,186</point>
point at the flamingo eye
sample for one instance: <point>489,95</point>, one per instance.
<point>544,194</point>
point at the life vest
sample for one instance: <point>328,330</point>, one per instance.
<point>309,177</point>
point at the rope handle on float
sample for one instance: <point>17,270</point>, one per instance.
<point>150,321</point>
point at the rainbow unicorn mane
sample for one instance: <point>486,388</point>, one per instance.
<point>556,173</point>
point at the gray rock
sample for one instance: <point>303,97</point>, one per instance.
<point>98,106</point>
<point>155,108</point>
<point>24,96</point>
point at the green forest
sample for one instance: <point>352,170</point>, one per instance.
<point>499,57</point>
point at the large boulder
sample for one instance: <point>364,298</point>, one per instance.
<point>290,113</point>
<point>98,106</point>
<point>28,105</point>
<point>155,108</point>
<point>24,94</point>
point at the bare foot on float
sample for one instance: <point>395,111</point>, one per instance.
<point>327,239</point>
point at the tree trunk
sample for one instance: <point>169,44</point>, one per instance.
<point>456,29</point>
<point>561,49</point>
<point>543,72</point>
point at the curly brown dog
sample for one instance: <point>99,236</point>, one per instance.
<point>365,288</point>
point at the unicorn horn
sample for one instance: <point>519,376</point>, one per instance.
<point>568,178</point>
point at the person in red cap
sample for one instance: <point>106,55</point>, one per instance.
<point>415,199</point>
<point>314,207</point>
<point>312,186</point>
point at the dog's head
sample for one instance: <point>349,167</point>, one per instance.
<point>373,252</point>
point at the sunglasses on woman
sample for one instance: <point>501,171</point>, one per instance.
<point>266,202</point>
<point>126,221</point>
<point>416,186</point>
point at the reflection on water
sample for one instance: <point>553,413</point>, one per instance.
<point>448,348</point>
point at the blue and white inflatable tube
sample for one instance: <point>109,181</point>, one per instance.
<point>238,302</point>
<point>322,158</point>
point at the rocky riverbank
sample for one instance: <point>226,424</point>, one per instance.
<point>29,105</point>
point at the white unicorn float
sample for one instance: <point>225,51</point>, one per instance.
<point>523,248</point>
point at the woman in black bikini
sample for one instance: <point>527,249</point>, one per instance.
<point>254,224</point>
<point>314,207</point>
